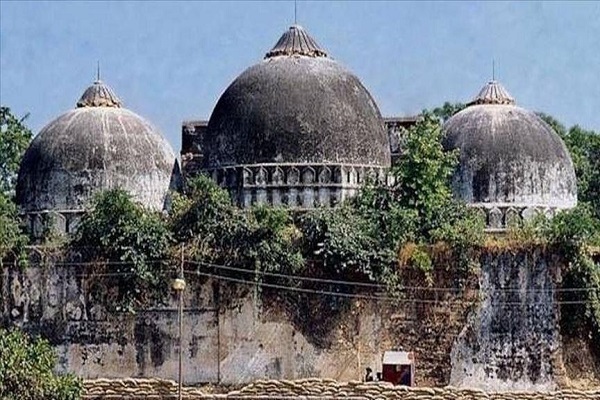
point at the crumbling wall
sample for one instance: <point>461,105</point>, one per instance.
<point>70,306</point>
<point>255,337</point>
<point>228,342</point>
<point>512,340</point>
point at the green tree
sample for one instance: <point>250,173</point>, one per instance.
<point>14,139</point>
<point>423,173</point>
<point>584,147</point>
<point>132,243</point>
<point>26,370</point>
<point>447,110</point>
<point>272,242</point>
<point>12,239</point>
<point>207,221</point>
<point>423,187</point>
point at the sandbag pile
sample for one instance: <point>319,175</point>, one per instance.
<point>329,388</point>
<point>310,389</point>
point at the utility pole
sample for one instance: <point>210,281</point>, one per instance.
<point>179,287</point>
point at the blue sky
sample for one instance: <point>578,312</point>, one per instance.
<point>170,61</point>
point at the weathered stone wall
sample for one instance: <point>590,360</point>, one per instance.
<point>512,341</point>
<point>310,389</point>
<point>238,341</point>
<point>68,305</point>
<point>224,341</point>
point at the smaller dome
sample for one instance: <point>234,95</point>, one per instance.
<point>98,145</point>
<point>509,157</point>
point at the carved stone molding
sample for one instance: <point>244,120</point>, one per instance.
<point>499,217</point>
<point>40,223</point>
<point>295,185</point>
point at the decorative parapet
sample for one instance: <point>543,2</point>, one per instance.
<point>500,216</point>
<point>295,185</point>
<point>41,223</point>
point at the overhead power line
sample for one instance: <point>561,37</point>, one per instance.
<point>294,277</point>
<point>377,296</point>
<point>373,285</point>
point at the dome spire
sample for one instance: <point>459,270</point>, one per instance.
<point>295,12</point>
<point>99,95</point>
<point>296,41</point>
<point>493,93</point>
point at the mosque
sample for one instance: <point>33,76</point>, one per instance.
<point>296,129</point>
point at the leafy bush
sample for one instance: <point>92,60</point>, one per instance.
<point>12,239</point>
<point>343,243</point>
<point>272,243</point>
<point>208,223</point>
<point>14,139</point>
<point>26,370</point>
<point>131,243</point>
<point>215,231</point>
<point>573,232</point>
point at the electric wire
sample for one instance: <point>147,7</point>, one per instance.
<point>378,296</point>
<point>292,277</point>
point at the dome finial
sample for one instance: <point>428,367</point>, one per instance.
<point>99,95</point>
<point>493,69</point>
<point>98,72</point>
<point>296,41</point>
<point>493,93</point>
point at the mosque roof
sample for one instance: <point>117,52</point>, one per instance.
<point>296,106</point>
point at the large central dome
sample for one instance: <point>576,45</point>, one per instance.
<point>296,106</point>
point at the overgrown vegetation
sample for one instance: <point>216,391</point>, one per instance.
<point>584,147</point>
<point>26,370</point>
<point>359,241</point>
<point>576,234</point>
<point>419,209</point>
<point>216,232</point>
<point>12,239</point>
<point>130,246</point>
<point>14,139</point>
